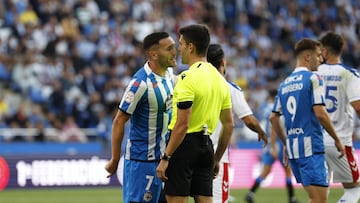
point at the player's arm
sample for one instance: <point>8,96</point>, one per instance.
<point>356,106</point>
<point>276,126</point>
<point>177,136</point>
<point>273,138</point>
<point>117,136</point>
<point>324,119</point>
<point>181,125</point>
<point>242,110</point>
<point>253,124</point>
<point>226,119</point>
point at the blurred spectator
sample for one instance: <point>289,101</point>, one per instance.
<point>70,132</point>
<point>4,107</point>
<point>29,17</point>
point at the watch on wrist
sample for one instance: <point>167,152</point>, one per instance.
<point>165,157</point>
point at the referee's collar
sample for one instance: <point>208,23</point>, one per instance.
<point>196,64</point>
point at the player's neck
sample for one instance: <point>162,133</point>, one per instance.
<point>303,64</point>
<point>157,69</point>
<point>333,60</point>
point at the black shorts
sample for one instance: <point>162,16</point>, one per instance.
<point>191,167</point>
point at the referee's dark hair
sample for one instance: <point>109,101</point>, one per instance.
<point>153,39</point>
<point>197,34</point>
<point>333,42</point>
<point>215,55</point>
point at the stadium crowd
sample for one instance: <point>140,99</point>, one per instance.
<point>64,64</point>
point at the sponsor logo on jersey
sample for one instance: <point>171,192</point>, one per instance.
<point>168,102</point>
<point>225,186</point>
<point>183,76</point>
<point>295,131</point>
<point>294,78</point>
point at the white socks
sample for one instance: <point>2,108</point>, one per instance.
<point>351,195</point>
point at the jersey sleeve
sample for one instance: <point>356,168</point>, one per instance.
<point>277,104</point>
<point>184,88</point>
<point>239,105</point>
<point>132,96</point>
<point>353,87</point>
<point>317,89</point>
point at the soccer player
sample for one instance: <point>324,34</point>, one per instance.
<point>342,97</point>
<point>241,109</point>
<point>147,102</point>
<point>300,99</point>
<point>270,154</point>
<point>201,97</point>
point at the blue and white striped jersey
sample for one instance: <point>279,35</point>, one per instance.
<point>148,99</point>
<point>296,97</point>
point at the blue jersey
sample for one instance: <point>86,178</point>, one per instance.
<point>148,100</point>
<point>295,100</point>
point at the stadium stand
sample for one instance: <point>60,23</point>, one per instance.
<point>64,64</point>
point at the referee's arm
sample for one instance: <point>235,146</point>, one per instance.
<point>176,138</point>
<point>179,131</point>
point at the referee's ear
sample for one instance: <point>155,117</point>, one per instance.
<point>222,66</point>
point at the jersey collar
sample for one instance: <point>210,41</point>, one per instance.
<point>297,69</point>
<point>196,65</point>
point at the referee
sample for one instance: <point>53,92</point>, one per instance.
<point>201,97</point>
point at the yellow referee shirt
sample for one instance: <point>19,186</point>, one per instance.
<point>208,90</point>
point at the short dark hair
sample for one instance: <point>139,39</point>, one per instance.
<point>215,54</point>
<point>333,42</point>
<point>153,39</point>
<point>197,34</point>
<point>305,44</point>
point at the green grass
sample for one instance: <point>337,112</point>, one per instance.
<point>113,195</point>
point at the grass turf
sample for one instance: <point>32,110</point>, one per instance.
<point>114,195</point>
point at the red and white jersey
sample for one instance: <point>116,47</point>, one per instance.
<point>239,107</point>
<point>342,86</point>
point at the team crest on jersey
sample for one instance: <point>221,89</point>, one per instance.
<point>155,85</point>
<point>129,97</point>
<point>168,102</point>
<point>147,196</point>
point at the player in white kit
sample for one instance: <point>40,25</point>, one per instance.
<point>241,109</point>
<point>342,94</point>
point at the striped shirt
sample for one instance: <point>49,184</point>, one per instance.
<point>148,100</point>
<point>295,99</point>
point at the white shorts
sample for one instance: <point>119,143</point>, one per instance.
<point>346,169</point>
<point>221,184</point>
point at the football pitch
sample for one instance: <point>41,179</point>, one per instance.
<point>113,195</point>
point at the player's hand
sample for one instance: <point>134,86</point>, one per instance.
<point>340,147</point>
<point>111,167</point>
<point>264,138</point>
<point>216,169</point>
<point>161,169</point>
